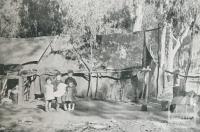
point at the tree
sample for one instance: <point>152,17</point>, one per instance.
<point>138,11</point>
<point>40,18</point>
<point>177,20</point>
<point>9,18</point>
<point>85,19</point>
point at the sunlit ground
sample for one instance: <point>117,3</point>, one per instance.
<point>89,116</point>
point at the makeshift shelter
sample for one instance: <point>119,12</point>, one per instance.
<point>127,55</point>
<point>27,60</point>
<point>16,52</point>
<point>123,56</point>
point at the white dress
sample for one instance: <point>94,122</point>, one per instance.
<point>49,92</point>
<point>61,88</point>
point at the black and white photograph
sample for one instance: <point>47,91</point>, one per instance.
<point>99,65</point>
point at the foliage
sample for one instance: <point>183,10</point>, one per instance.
<point>9,18</point>
<point>176,12</point>
<point>40,18</point>
<point>84,19</point>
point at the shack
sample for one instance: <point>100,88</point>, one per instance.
<point>123,56</point>
<point>14,54</point>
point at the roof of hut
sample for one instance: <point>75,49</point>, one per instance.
<point>22,50</point>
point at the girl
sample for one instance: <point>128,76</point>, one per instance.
<point>48,94</point>
<point>70,97</point>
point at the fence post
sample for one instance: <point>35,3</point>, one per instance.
<point>97,83</point>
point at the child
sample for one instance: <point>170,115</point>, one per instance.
<point>70,91</point>
<point>60,93</point>
<point>48,94</point>
<point>70,97</point>
<point>70,78</point>
<point>13,94</point>
<point>56,83</point>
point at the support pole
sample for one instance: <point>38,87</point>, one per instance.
<point>158,64</point>
<point>89,80</point>
<point>146,85</point>
<point>20,91</point>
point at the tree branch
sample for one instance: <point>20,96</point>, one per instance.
<point>171,39</point>
<point>81,58</point>
<point>178,44</point>
<point>180,39</point>
<point>185,33</point>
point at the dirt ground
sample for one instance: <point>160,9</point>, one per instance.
<point>89,116</point>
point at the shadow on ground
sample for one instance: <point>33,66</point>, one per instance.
<point>116,110</point>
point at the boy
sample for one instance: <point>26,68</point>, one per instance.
<point>70,78</point>
<point>48,94</point>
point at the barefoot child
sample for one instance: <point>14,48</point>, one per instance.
<point>56,83</point>
<point>70,91</point>
<point>48,94</point>
<point>70,97</point>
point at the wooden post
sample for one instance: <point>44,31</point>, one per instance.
<point>20,91</point>
<point>158,64</point>
<point>89,80</point>
<point>146,85</point>
<point>97,83</point>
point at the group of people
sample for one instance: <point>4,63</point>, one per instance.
<point>63,92</point>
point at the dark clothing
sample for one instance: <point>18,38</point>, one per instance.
<point>71,79</point>
<point>70,94</point>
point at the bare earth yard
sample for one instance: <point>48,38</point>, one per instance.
<point>89,116</point>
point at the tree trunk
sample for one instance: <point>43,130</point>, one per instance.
<point>137,26</point>
<point>162,61</point>
<point>172,50</point>
<point>171,62</point>
<point>89,83</point>
<point>138,6</point>
<point>187,67</point>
